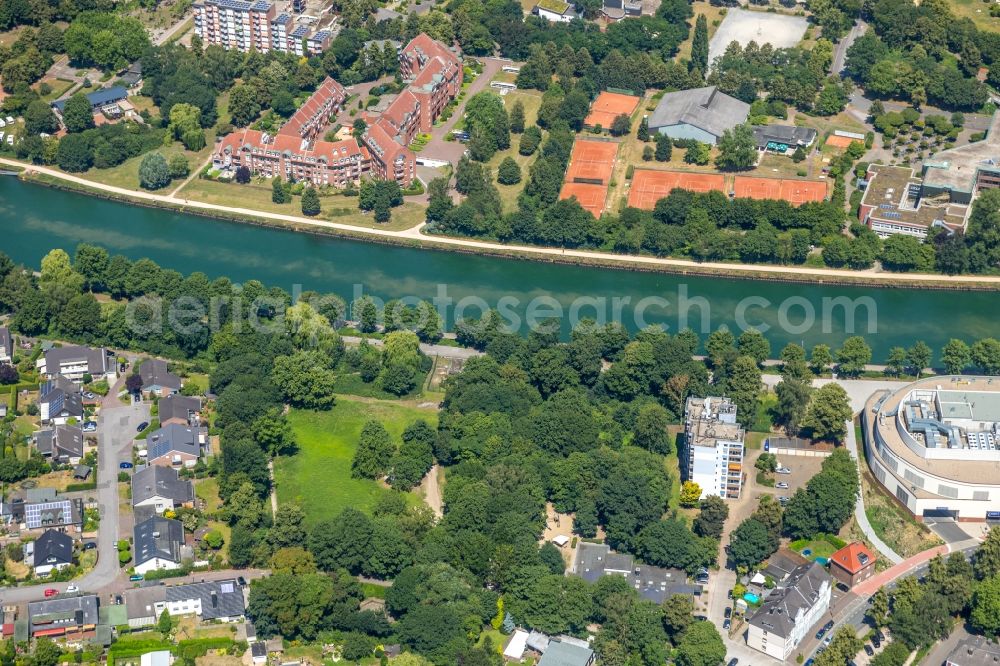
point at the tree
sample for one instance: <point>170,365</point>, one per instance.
<point>895,364</point>
<point>517,117</point>
<point>985,616</point>
<point>74,153</point>
<point>799,155</point>
<point>664,148</point>
<point>793,398</point>
<point>185,125</point>
<point>919,357</point>
<point>242,175</point>
<point>820,358</point>
<point>310,202</point>
<point>701,645</point>
<point>828,412</point>
<point>487,123</point>
<point>509,172</point>
<point>244,104</point>
<point>165,624</point>
<point>751,543</point>
<point>650,430</point>
<point>853,356</point>
<point>374,452</point>
<point>621,125</point>
<point>178,166</point>
<point>753,343</point>
<point>690,494</point>
<point>344,542</point>
<point>698,153</point>
<point>530,140</point>
<point>77,114</point>
<point>279,194</point>
<point>712,517</point>
<point>305,380</point>
<point>699,45</point>
<point>878,611</point>
<point>39,118</point>
<point>643,132</point>
<point>986,561</point>
<point>678,615</point>
<point>956,356</point>
<point>737,149</point>
<point>154,173</point>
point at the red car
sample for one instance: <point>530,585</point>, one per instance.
<point>51,592</point>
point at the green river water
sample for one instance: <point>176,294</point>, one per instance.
<point>35,219</point>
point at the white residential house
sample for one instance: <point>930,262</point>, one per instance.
<point>788,616</point>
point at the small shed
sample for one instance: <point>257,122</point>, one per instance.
<point>81,472</point>
<point>516,645</point>
<point>560,540</point>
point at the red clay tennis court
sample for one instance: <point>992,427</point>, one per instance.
<point>795,192</point>
<point>649,186</point>
<point>591,162</point>
<point>835,141</point>
<point>591,197</point>
<point>609,106</point>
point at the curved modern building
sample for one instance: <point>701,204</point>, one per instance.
<point>935,445</point>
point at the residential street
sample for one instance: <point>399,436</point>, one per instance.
<point>116,426</point>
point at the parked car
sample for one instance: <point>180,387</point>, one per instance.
<point>242,581</point>
<point>136,577</point>
<point>125,465</point>
<point>118,600</point>
<point>783,499</point>
<point>9,119</point>
<point>783,470</point>
<point>142,426</point>
<point>733,662</point>
<point>729,612</point>
<point>90,426</point>
<point>828,639</point>
<point>89,395</point>
<point>51,592</point>
<point>828,626</point>
<point>781,485</point>
<point>876,642</point>
<point>72,588</point>
<point>880,635</point>
<point>90,545</point>
<point>726,624</point>
<point>869,650</point>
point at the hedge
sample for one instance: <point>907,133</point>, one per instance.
<point>77,487</point>
<point>129,648</point>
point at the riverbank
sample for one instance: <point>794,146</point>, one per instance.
<point>415,238</point>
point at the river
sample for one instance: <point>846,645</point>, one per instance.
<point>34,219</point>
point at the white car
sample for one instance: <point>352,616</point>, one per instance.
<point>10,139</point>
<point>781,485</point>
<point>72,588</point>
<point>9,119</point>
<point>3,124</point>
<point>1,136</point>
<point>783,470</point>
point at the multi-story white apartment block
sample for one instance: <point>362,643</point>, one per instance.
<point>235,24</point>
<point>713,443</point>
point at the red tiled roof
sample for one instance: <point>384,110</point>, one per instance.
<point>312,106</point>
<point>853,557</point>
<point>378,135</point>
<point>331,150</point>
<point>430,48</point>
<point>404,105</point>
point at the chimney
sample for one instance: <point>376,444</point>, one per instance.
<point>711,98</point>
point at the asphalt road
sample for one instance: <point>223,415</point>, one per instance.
<point>840,51</point>
<point>116,427</point>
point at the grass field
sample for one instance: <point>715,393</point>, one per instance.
<point>258,197</point>
<point>531,100</point>
<point>319,475</point>
<point>978,11</point>
<point>126,174</point>
<point>713,15</point>
<point>59,87</point>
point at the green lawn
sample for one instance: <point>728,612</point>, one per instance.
<point>257,195</point>
<point>817,548</point>
<point>531,100</point>
<point>319,475</point>
<point>126,174</point>
<point>978,11</point>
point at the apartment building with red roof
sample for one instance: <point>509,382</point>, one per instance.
<point>389,159</point>
<point>434,75</point>
<point>309,119</point>
<point>336,163</point>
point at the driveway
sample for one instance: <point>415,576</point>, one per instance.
<point>948,530</point>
